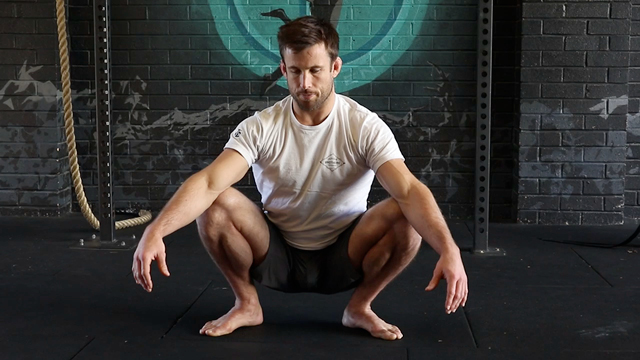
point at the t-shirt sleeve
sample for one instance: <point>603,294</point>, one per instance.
<point>245,139</point>
<point>378,143</point>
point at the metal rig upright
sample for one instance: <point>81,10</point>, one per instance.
<point>483,131</point>
<point>102,48</point>
<point>102,41</point>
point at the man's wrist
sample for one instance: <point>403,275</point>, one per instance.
<point>450,249</point>
<point>154,230</point>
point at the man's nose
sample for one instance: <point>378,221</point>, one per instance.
<point>306,81</point>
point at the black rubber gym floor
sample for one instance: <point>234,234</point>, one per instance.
<point>543,300</point>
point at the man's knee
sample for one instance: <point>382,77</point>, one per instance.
<point>402,234</point>
<point>392,211</point>
<point>406,238</point>
<point>218,216</point>
<point>408,232</point>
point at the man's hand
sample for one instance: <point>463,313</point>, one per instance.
<point>150,248</point>
<point>451,269</point>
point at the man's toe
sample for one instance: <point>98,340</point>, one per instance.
<point>396,331</point>
<point>385,334</point>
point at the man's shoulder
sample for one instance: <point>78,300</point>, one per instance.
<point>355,112</point>
<point>275,111</point>
<point>352,105</point>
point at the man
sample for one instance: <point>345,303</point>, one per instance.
<point>314,156</point>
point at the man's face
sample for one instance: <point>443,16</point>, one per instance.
<point>310,75</point>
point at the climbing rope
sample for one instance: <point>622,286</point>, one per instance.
<point>144,215</point>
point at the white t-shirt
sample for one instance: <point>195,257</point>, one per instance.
<point>314,180</point>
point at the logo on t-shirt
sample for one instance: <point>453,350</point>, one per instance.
<point>332,162</point>
<point>237,133</point>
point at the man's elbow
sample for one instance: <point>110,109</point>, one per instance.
<point>411,190</point>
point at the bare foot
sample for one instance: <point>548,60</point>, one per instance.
<point>238,316</point>
<point>369,321</point>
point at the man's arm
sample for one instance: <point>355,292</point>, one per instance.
<point>193,197</point>
<point>199,191</point>
<point>421,210</point>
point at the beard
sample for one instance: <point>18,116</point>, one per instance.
<point>313,105</point>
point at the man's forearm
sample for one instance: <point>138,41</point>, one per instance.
<point>189,202</point>
<point>422,211</point>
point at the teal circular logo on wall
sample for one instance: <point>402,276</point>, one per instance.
<point>373,34</point>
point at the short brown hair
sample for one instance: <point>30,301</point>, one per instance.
<point>307,31</point>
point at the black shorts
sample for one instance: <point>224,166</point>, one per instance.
<point>325,271</point>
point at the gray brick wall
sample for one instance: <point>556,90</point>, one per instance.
<point>180,88</point>
<point>504,102</point>
<point>632,178</point>
<point>34,176</point>
<point>574,100</point>
<point>565,129</point>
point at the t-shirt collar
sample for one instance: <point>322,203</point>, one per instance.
<point>320,126</point>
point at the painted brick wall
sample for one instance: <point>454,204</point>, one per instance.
<point>180,89</point>
<point>34,176</point>
<point>573,112</point>
<point>564,123</point>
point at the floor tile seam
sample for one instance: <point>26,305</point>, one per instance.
<point>82,348</point>
<point>299,343</point>
<point>591,267</point>
<point>187,310</point>
<point>470,327</point>
<point>5,333</point>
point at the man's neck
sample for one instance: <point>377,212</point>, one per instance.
<point>315,117</point>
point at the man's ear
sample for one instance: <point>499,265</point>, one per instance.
<point>283,68</point>
<point>337,66</point>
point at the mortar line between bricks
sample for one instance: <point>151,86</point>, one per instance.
<point>592,267</point>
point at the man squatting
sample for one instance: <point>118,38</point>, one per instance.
<point>314,156</point>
